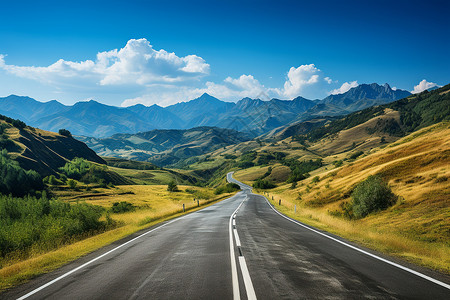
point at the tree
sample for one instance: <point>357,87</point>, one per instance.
<point>172,187</point>
<point>65,132</point>
<point>72,183</point>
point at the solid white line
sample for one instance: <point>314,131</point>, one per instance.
<point>91,261</point>
<point>234,274</point>
<point>362,251</point>
<point>234,222</point>
<point>247,280</point>
<point>236,237</point>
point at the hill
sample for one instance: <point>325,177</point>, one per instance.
<point>164,147</point>
<point>415,228</point>
<point>40,150</point>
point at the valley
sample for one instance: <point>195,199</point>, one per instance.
<point>308,170</point>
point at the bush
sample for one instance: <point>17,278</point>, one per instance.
<point>15,180</point>
<point>32,223</point>
<point>87,172</point>
<point>72,183</point>
<point>356,155</point>
<point>228,188</point>
<point>263,184</point>
<point>121,207</point>
<point>172,187</point>
<point>65,132</point>
<point>371,195</point>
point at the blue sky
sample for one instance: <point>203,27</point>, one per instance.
<point>174,51</point>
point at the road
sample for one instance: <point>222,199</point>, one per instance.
<point>238,248</point>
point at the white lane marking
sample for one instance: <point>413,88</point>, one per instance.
<point>98,257</point>
<point>234,274</point>
<point>234,221</point>
<point>91,261</point>
<point>362,251</point>
<point>247,280</point>
<point>236,237</point>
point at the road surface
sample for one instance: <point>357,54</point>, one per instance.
<point>238,248</point>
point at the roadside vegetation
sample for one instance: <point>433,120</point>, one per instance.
<point>108,214</point>
<point>395,199</point>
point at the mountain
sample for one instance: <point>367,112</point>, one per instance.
<point>366,95</point>
<point>95,119</point>
<point>253,116</point>
<point>205,110</point>
<point>164,147</point>
<point>28,109</point>
<point>156,115</point>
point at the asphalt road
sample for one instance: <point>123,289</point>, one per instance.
<point>238,248</point>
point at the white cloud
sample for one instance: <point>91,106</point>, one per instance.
<point>422,86</point>
<point>346,86</point>
<point>328,80</point>
<point>231,89</point>
<point>299,78</point>
<point>135,64</point>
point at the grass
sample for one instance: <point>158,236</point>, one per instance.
<point>154,205</point>
<point>416,228</point>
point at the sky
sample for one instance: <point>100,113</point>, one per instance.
<point>162,52</point>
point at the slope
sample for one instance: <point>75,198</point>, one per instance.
<point>164,147</point>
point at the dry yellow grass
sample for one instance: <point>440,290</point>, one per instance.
<point>154,205</point>
<point>416,228</point>
<point>358,136</point>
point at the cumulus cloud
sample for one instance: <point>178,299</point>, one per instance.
<point>422,86</point>
<point>299,78</point>
<point>135,64</point>
<point>230,89</point>
<point>328,80</point>
<point>345,87</point>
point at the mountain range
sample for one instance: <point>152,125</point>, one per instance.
<point>253,116</point>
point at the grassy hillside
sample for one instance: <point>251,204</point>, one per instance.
<point>165,147</point>
<point>415,228</point>
<point>40,150</point>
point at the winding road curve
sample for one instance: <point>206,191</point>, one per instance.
<point>239,248</point>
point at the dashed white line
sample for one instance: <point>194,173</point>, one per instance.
<point>236,237</point>
<point>247,280</point>
<point>234,274</point>
<point>362,251</point>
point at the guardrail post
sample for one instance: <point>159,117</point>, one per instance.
<point>184,208</point>
<point>279,202</point>
<point>198,203</point>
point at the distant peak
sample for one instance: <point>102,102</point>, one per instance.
<point>387,86</point>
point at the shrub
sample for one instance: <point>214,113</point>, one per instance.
<point>32,223</point>
<point>121,207</point>
<point>72,183</point>
<point>263,184</point>
<point>172,187</point>
<point>65,132</point>
<point>15,180</point>
<point>356,154</point>
<point>371,195</point>
<point>228,188</point>
<point>337,163</point>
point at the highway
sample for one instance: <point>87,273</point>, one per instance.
<point>239,248</point>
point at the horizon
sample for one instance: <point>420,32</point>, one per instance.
<point>205,93</point>
<point>165,55</point>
